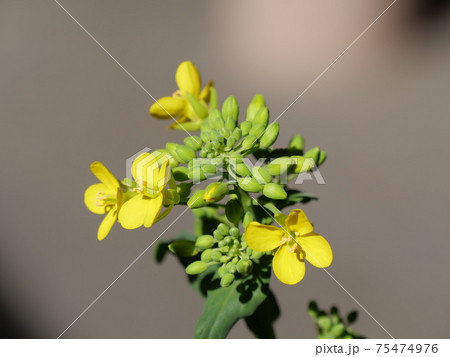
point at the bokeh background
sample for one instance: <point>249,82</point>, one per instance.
<point>381,112</point>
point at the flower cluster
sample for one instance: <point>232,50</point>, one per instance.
<point>219,153</point>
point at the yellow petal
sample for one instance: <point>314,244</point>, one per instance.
<point>204,94</point>
<point>287,266</point>
<point>144,170</point>
<point>133,212</point>
<point>91,197</point>
<point>318,251</point>
<point>152,210</point>
<point>261,237</point>
<point>104,175</point>
<point>107,224</point>
<point>163,175</point>
<point>188,78</point>
<point>298,222</point>
<point>166,107</point>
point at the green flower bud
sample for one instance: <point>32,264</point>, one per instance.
<point>230,108</point>
<point>223,229</point>
<point>206,256</point>
<point>180,173</point>
<point>297,143</point>
<point>185,153</point>
<point>249,142</point>
<point>183,248</point>
<point>234,231</point>
<point>222,271</point>
<point>249,184</point>
<point>244,266</point>
<point>204,135</point>
<point>198,107</point>
<point>237,133</point>
<point>242,170</point>
<point>209,169</point>
<point>270,135</point>
<point>303,164</point>
<point>196,174</point>
<point>171,196</point>
<point>231,141</point>
<point>194,142</point>
<point>219,236</point>
<point>224,259</point>
<point>245,127</point>
<point>227,280</point>
<point>230,124</point>
<point>313,154</point>
<point>216,256</point>
<point>261,175</point>
<point>225,249</point>
<point>196,200</point>
<point>262,117</point>
<point>322,157</point>
<point>279,166</point>
<point>234,213</point>
<point>171,148</point>
<point>195,268</point>
<point>228,240</point>
<point>274,191</point>
<point>257,130</point>
<point>255,105</point>
<point>205,127</point>
<point>231,267</point>
<point>248,217</point>
<point>204,242</point>
<point>215,191</point>
<point>225,132</point>
<point>215,119</point>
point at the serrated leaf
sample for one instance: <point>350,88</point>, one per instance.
<point>225,306</point>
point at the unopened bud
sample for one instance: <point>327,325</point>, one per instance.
<point>270,135</point>
<point>313,154</point>
<point>185,153</point>
<point>248,217</point>
<point>242,170</point>
<point>274,191</point>
<point>262,117</point>
<point>204,242</point>
<point>227,280</point>
<point>303,164</point>
<point>322,157</point>
<point>237,133</point>
<point>230,124</point>
<point>194,142</point>
<point>215,119</point>
<point>196,200</point>
<point>230,108</point>
<point>249,142</point>
<point>255,105</point>
<point>245,127</point>
<point>297,143</point>
<point>257,130</point>
<point>249,184</point>
<point>183,248</point>
<point>216,256</point>
<point>223,229</point>
<point>206,256</point>
<point>215,191</point>
<point>171,148</point>
<point>279,166</point>
<point>261,175</point>
<point>195,268</point>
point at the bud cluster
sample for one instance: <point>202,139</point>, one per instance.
<point>228,248</point>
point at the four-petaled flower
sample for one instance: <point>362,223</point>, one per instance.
<point>151,173</point>
<point>179,106</point>
<point>295,241</point>
<point>105,197</point>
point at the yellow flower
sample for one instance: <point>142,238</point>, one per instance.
<point>190,113</point>
<point>151,173</point>
<point>105,197</point>
<point>295,241</point>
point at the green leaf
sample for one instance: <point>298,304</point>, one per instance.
<point>261,322</point>
<point>225,306</point>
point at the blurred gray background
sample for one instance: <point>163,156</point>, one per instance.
<point>381,112</point>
